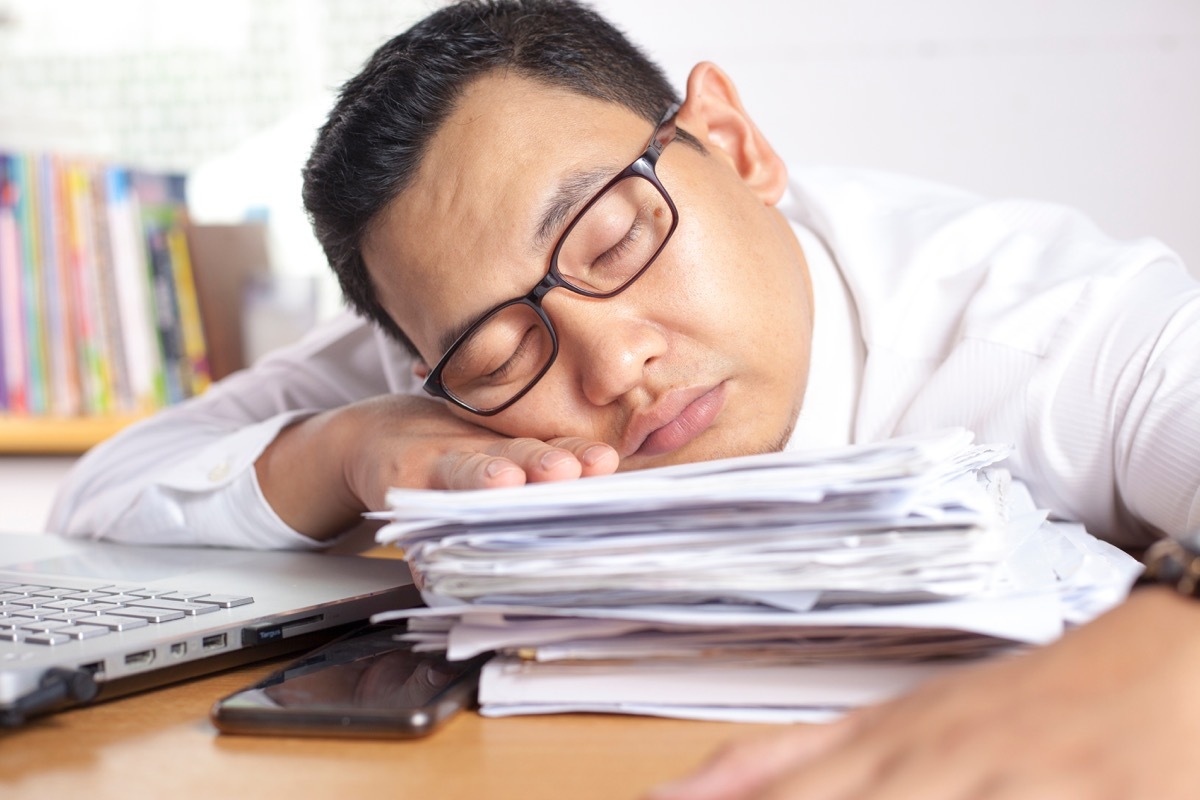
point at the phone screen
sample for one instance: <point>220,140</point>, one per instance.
<point>369,683</point>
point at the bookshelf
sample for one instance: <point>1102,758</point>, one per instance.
<point>100,320</point>
<point>27,435</point>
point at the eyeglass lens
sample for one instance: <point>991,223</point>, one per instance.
<point>608,246</point>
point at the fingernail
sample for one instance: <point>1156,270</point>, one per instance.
<point>554,458</point>
<point>496,467</point>
<point>595,454</point>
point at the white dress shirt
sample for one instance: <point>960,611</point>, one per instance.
<point>932,308</point>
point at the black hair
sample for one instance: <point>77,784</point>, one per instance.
<point>371,146</point>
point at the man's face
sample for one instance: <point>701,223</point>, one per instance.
<point>705,356</point>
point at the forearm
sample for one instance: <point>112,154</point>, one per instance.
<point>187,475</point>
<point>174,480</point>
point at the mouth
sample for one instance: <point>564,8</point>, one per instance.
<point>677,420</point>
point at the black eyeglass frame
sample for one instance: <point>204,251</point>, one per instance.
<point>644,166</point>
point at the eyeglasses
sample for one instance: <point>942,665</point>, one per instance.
<point>608,245</point>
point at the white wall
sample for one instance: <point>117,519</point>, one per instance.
<point>1094,103</point>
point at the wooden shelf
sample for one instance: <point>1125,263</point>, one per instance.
<point>56,435</point>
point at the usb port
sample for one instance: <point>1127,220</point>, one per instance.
<point>140,659</point>
<point>214,642</point>
<point>95,669</point>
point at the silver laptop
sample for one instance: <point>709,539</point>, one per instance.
<point>85,621</point>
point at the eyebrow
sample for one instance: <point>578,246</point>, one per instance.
<point>575,190</point>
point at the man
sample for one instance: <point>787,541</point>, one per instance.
<point>586,278</point>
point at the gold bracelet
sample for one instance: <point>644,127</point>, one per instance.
<point>1168,561</point>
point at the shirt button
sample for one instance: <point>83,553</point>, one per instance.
<point>218,473</point>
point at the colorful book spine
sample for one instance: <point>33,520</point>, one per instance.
<point>12,303</point>
<point>199,375</point>
<point>58,322</point>
<point>31,285</point>
<point>98,305</point>
<point>131,276</point>
<point>92,362</point>
<point>72,403</point>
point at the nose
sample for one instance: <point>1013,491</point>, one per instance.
<point>607,345</point>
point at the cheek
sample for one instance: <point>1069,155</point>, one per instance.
<point>541,414</point>
<point>713,279</point>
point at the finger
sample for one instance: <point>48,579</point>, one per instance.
<point>596,458</point>
<point>744,767</point>
<point>540,461</point>
<point>475,470</point>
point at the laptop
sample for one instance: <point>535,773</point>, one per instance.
<point>84,621</point>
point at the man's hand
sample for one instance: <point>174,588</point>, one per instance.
<point>321,474</point>
<point>1111,711</point>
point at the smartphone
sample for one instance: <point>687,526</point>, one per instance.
<point>368,684</point>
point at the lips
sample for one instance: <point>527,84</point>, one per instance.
<point>674,422</point>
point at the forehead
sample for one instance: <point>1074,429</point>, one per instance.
<point>462,236</point>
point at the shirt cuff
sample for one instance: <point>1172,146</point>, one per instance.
<point>214,499</point>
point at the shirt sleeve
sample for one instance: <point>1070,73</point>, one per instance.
<point>1118,406</point>
<point>186,475</point>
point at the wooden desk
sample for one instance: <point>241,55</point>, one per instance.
<point>160,744</point>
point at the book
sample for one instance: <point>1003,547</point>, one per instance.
<point>31,289</point>
<point>133,292</point>
<point>195,348</point>
<point>58,327</point>
<point>99,311</point>
<point>91,366</point>
<point>12,325</point>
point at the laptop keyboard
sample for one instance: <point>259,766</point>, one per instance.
<point>43,615</point>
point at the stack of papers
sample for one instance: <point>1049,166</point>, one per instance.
<point>786,586</point>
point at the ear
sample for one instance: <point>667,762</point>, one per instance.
<point>713,113</point>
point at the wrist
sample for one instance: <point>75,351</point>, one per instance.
<point>301,477</point>
<point>1175,562</point>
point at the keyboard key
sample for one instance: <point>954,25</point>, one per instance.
<point>95,608</point>
<point>225,600</point>
<point>183,596</point>
<point>148,614</point>
<point>26,588</point>
<point>120,598</point>
<point>82,631</point>
<point>115,623</point>
<point>64,605</point>
<point>151,592</point>
<point>115,589</point>
<point>50,638</point>
<point>92,595</point>
<point>35,626</point>
<point>71,616</point>
<point>52,592</point>
<point>191,609</point>
<point>41,615</point>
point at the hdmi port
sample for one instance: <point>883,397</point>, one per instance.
<point>139,659</point>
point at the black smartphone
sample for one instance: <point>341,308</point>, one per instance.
<point>369,684</point>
